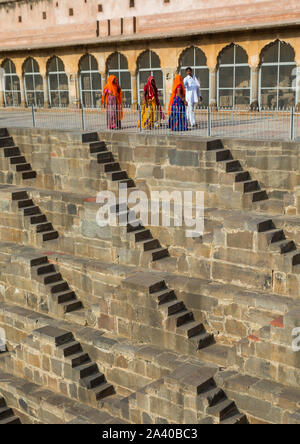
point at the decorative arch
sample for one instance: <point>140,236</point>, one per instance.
<point>33,83</point>
<point>195,58</point>
<point>117,64</point>
<point>58,83</point>
<point>277,76</point>
<point>90,81</point>
<point>148,64</point>
<point>234,77</point>
<point>12,87</point>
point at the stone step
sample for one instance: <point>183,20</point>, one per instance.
<point>25,203</point>
<point>231,166</point>
<point>78,359</point>
<point>273,236</point>
<point>65,296</point>
<point>35,220</point>
<point>219,155</point>
<point>284,246</point>
<point>117,176</point>
<point>216,144</point>
<point>203,340</point>
<point>51,278</point>
<point>216,354</point>
<point>32,211</point>
<point>191,329</point>
<point>17,160</point>
<point>69,307</point>
<point>103,390</point>
<point>13,151</point>
<point>90,137</point>
<point>41,260</point>
<point>4,132</point>
<point>243,176</point>
<point>10,420</point>
<point>97,147</point>
<point>87,369</point>
<point>222,410</point>
<point>59,287</point>
<point>23,167</point>
<point>70,348</point>
<point>45,227</point>
<point>6,412</point>
<point>135,225</point>
<point>6,141</point>
<point>159,253</point>
<point>2,403</point>
<point>173,307</point>
<point>29,175</point>
<point>247,186</point>
<point>110,167</point>
<point>149,244</point>
<point>93,381</point>
<point>164,296</point>
<point>50,235</point>
<point>141,235</point>
<point>213,396</point>
<point>105,157</point>
<point>19,195</point>
<point>259,196</point>
<point>237,418</point>
<point>180,318</point>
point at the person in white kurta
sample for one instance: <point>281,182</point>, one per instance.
<point>192,88</point>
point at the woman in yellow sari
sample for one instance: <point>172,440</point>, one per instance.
<point>151,109</point>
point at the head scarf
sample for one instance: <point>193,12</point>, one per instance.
<point>113,86</point>
<point>151,89</point>
<point>178,81</point>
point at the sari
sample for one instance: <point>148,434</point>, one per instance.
<point>177,110</point>
<point>112,97</point>
<point>151,109</point>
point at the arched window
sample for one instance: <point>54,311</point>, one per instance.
<point>117,65</point>
<point>195,58</point>
<point>12,88</point>
<point>90,82</point>
<point>149,65</point>
<point>58,83</point>
<point>234,78</point>
<point>33,82</point>
<point>278,76</point>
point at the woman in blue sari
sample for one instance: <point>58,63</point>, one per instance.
<point>177,106</point>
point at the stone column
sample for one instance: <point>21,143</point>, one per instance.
<point>46,91</point>
<point>22,88</point>
<point>255,86</point>
<point>103,81</point>
<point>213,86</point>
<point>297,80</point>
<point>134,90</point>
<point>73,95</point>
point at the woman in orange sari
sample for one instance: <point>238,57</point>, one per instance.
<point>177,106</point>
<point>112,97</point>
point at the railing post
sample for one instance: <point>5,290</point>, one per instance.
<point>140,118</point>
<point>209,121</point>
<point>33,117</point>
<point>293,124</point>
<point>82,118</point>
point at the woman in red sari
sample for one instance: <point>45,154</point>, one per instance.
<point>112,97</point>
<point>151,109</point>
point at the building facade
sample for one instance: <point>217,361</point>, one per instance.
<point>59,53</point>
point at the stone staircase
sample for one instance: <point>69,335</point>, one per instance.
<point>6,414</point>
<point>118,178</point>
<point>242,182</point>
<point>63,361</point>
<point>12,152</point>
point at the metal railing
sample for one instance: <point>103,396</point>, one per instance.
<point>264,124</point>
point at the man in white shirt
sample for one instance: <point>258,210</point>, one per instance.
<point>192,94</point>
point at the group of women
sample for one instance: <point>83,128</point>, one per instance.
<point>152,113</point>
